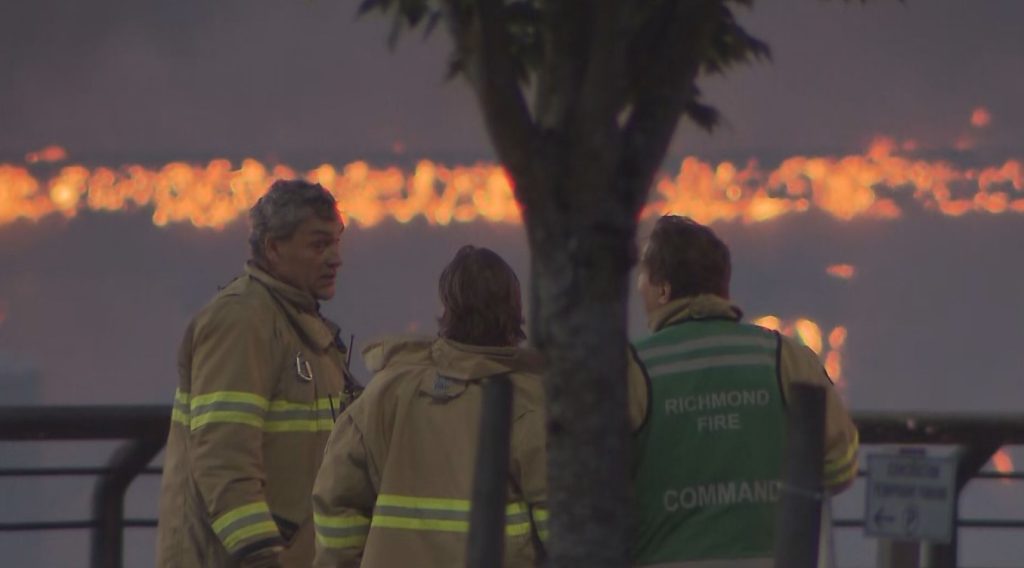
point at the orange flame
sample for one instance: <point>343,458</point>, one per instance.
<point>980,117</point>
<point>809,333</point>
<point>841,271</point>
<point>878,184</point>
<point>47,154</point>
<point>837,338</point>
<point>1002,462</point>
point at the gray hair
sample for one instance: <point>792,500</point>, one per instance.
<point>284,207</point>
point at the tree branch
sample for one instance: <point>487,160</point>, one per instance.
<point>565,29</point>
<point>594,135</point>
<point>663,91</point>
<point>481,40</point>
<point>605,84</point>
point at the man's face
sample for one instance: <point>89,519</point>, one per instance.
<point>309,260</point>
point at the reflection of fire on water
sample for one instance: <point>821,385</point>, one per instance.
<point>841,271</point>
<point>809,333</point>
<point>980,117</point>
<point>830,349</point>
<point>47,154</point>
<point>878,184</point>
<point>1003,463</point>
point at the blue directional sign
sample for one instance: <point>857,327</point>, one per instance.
<point>910,496</point>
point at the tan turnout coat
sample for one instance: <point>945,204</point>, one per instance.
<point>396,482</point>
<point>262,376</point>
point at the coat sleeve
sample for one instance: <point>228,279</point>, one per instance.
<point>800,364</point>
<point>638,385</point>
<point>231,385</point>
<point>529,467</point>
<point>343,495</point>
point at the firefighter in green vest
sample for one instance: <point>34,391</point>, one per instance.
<point>709,454</point>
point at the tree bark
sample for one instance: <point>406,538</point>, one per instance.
<point>579,293</point>
<point>582,176</point>
<point>579,298</point>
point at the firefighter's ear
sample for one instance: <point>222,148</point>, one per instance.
<point>664,293</point>
<point>272,250</point>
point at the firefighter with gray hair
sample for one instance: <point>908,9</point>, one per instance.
<point>262,378</point>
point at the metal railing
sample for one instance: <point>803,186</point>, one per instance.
<point>144,429</point>
<point>975,437</point>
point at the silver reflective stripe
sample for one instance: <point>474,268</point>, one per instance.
<point>732,563</point>
<point>710,362</point>
<point>708,343</point>
<point>227,406</point>
<point>354,530</point>
<point>517,518</point>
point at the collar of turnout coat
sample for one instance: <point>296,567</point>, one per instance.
<point>453,360</point>
<point>700,307</point>
<point>301,308</point>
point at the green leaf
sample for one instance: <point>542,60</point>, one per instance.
<point>705,116</point>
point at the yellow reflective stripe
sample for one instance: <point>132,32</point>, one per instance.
<point>841,477</point>
<point>843,463</point>
<point>180,408</point>
<point>518,529</point>
<point>290,416</point>
<point>517,507</point>
<point>340,521</point>
<point>235,514</point>
<point>540,519</point>
<point>226,416</point>
<point>245,522</point>
<point>420,509</point>
<point>179,417</point>
<point>230,396</point>
<point>419,524</point>
<point>341,531</point>
<point>268,528</point>
<point>327,403</point>
<point>446,525</point>
<point>423,502</point>
<point>227,406</point>
<point>437,503</point>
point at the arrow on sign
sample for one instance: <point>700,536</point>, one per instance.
<point>881,518</point>
<point>911,519</point>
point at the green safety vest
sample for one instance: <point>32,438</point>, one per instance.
<point>709,458</point>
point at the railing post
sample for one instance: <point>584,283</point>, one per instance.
<point>798,519</point>
<point>898,554</point>
<point>108,498</point>
<point>486,547</point>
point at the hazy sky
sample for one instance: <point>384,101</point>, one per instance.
<point>304,81</point>
<point>98,303</point>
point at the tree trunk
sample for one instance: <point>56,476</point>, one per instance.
<point>579,303</point>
